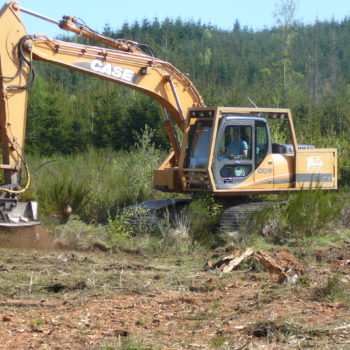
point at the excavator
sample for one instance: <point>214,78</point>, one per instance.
<point>226,151</point>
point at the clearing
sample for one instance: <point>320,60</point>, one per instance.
<point>60,299</point>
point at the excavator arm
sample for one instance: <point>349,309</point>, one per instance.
<point>155,78</point>
<point>158,79</point>
<point>126,63</point>
<point>14,81</point>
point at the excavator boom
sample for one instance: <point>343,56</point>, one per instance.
<point>152,76</point>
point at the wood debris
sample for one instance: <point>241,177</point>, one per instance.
<point>282,263</point>
<point>31,303</point>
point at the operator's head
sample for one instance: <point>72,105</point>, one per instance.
<point>235,133</point>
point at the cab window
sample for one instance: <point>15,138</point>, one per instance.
<point>261,142</point>
<point>199,142</point>
<point>236,143</point>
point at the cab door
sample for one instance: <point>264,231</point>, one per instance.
<point>234,156</point>
<point>263,176</point>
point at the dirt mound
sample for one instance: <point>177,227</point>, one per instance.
<point>35,237</point>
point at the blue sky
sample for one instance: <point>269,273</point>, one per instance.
<point>255,14</point>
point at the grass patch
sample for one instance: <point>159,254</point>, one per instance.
<point>202,316</point>
<point>97,183</point>
<point>334,290</point>
<point>331,238</point>
<point>37,323</point>
<point>296,217</point>
<point>130,345</point>
<point>269,329</point>
<point>75,234</point>
<point>217,342</point>
<point>280,330</point>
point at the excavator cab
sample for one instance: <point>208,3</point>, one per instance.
<point>223,148</point>
<point>229,151</point>
<point>199,141</point>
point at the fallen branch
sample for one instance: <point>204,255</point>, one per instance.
<point>30,303</point>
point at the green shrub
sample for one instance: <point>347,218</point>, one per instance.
<point>97,183</point>
<point>132,221</point>
<point>120,227</point>
<point>204,216</point>
<point>298,215</point>
<point>333,290</point>
<point>309,211</point>
<point>269,220</point>
<point>64,193</point>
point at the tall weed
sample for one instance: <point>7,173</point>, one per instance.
<point>194,227</point>
<point>334,290</point>
<point>65,193</point>
<point>309,211</point>
<point>204,218</point>
<point>174,233</point>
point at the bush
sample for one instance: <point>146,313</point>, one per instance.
<point>119,228</point>
<point>97,183</point>
<point>302,214</point>
<point>309,211</point>
<point>133,221</point>
<point>65,194</point>
<point>345,212</point>
<point>332,291</point>
<point>204,216</point>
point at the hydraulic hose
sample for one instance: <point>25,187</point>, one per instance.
<point>23,60</point>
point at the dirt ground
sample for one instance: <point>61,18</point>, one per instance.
<point>58,299</point>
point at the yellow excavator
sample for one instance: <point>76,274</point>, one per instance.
<point>227,151</point>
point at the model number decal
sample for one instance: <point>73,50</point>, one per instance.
<point>113,71</point>
<point>264,170</point>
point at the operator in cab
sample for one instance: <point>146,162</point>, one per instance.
<point>237,147</point>
<point>233,146</point>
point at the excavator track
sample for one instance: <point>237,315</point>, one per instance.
<point>234,218</point>
<point>237,217</point>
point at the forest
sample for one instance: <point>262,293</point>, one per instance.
<point>302,67</point>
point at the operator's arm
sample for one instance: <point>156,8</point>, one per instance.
<point>237,149</point>
<point>244,148</point>
<point>245,151</point>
